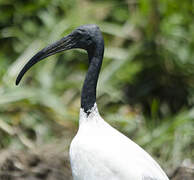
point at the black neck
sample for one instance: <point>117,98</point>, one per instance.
<point>88,96</point>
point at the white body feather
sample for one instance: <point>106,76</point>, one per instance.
<point>100,152</point>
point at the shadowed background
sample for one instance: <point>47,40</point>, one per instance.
<point>146,86</point>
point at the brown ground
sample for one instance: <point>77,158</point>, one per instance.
<point>47,163</point>
<point>50,163</point>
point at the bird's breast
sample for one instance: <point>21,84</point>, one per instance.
<point>100,152</point>
<point>96,153</point>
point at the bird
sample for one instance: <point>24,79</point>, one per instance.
<point>98,151</point>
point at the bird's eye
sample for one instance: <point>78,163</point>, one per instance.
<point>88,38</point>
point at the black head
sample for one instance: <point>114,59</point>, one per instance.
<point>86,37</point>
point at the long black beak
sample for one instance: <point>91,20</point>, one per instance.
<point>64,44</point>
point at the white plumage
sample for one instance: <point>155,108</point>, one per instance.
<point>100,152</point>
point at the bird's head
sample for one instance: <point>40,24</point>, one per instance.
<point>86,37</point>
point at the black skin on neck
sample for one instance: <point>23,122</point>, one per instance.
<point>95,56</point>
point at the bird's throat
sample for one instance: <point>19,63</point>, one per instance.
<point>88,96</point>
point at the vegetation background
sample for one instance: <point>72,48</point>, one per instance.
<point>146,86</point>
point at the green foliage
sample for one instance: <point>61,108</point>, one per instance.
<point>146,83</point>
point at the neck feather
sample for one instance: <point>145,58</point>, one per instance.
<point>88,96</point>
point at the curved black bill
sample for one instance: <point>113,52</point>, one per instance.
<point>61,45</point>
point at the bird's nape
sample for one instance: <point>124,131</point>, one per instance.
<point>65,43</point>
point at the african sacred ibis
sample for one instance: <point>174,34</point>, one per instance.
<point>98,151</point>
